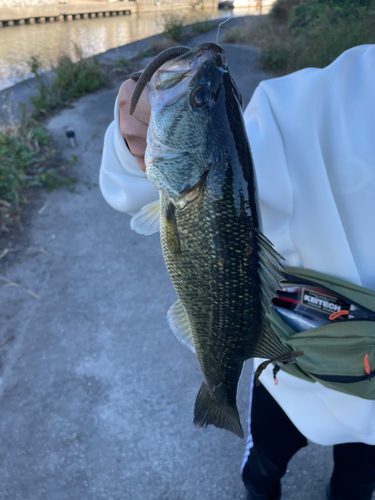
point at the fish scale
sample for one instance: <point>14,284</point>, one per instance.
<point>222,312</point>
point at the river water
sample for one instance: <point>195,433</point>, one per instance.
<point>92,36</point>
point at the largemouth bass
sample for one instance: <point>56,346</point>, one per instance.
<point>224,270</point>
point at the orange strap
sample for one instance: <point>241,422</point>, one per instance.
<point>367,366</point>
<point>338,313</point>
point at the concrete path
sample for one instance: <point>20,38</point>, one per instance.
<point>96,393</point>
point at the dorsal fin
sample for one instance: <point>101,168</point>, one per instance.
<point>271,272</point>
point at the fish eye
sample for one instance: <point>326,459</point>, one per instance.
<point>201,97</point>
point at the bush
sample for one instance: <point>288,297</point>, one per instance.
<point>24,162</point>
<point>281,9</point>
<point>173,27</point>
<point>77,79</point>
<point>308,33</point>
<point>305,14</point>
<point>15,157</point>
<point>201,27</point>
<point>159,45</point>
<point>40,136</point>
<point>235,35</point>
<point>122,63</point>
<point>71,80</point>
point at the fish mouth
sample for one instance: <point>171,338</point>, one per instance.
<point>176,78</point>
<point>213,49</point>
<point>205,51</point>
<point>185,66</point>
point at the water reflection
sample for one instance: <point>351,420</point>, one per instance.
<point>93,36</point>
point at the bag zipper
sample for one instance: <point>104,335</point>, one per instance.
<point>344,379</point>
<point>341,379</point>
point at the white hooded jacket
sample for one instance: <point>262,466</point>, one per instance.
<point>312,135</point>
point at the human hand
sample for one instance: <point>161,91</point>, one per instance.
<point>134,127</point>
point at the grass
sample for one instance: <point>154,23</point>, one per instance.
<point>158,45</point>
<point>26,160</point>
<point>307,33</point>
<point>27,157</point>
<point>200,28</point>
<point>70,81</point>
<point>174,32</point>
<point>122,63</point>
<point>173,27</point>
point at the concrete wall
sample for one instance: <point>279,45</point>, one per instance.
<point>12,12</point>
<point>27,3</point>
<point>143,3</point>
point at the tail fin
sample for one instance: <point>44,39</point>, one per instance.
<point>207,410</point>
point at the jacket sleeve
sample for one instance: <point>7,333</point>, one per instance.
<point>122,183</point>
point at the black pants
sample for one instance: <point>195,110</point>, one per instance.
<point>276,440</point>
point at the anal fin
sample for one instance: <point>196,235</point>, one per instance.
<point>179,323</point>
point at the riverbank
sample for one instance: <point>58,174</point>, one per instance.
<point>49,41</point>
<point>24,165</point>
<point>21,93</point>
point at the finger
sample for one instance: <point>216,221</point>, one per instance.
<point>132,129</point>
<point>143,110</point>
<point>141,162</point>
<point>137,145</point>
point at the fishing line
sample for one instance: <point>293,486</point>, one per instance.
<point>231,17</point>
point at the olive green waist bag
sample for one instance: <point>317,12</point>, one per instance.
<point>339,355</point>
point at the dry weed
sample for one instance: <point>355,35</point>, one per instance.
<point>162,43</point>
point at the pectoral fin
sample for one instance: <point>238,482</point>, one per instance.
<point>147,220</point>
<point>172,236</point>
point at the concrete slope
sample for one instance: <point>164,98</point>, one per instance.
<point>96,393</point>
